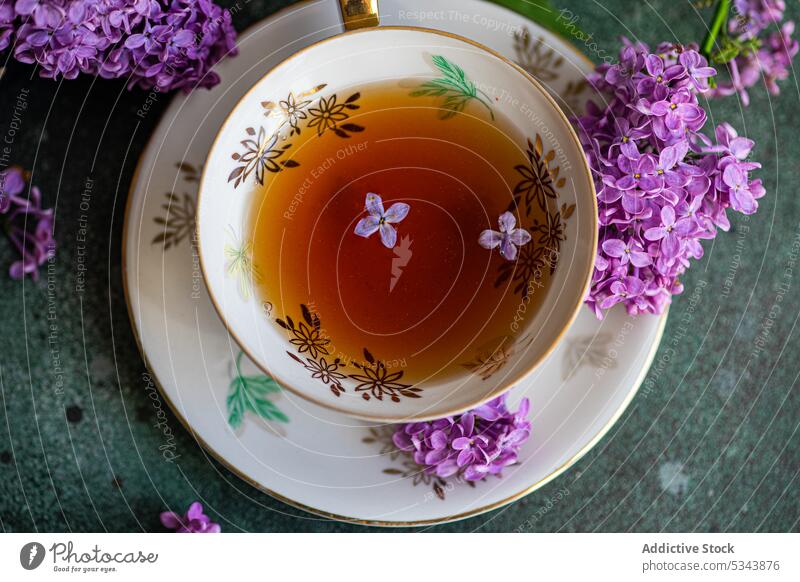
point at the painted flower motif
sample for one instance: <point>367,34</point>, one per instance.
<point>494,356</point>
<point>261,155</point>
<point>380,220</point>
<point>551,232</point>
<point>488,364</point>
<point>240,264</point>
<point>307,335</point>
<point>377,382</point>
<point>293,111</point>
<point>508,238</point>
<point>327,114</point>
<point>178,222</point>
<point>309,339</point>
<point>538,181</point>
<point>326,371</point>
<point>195,521</point>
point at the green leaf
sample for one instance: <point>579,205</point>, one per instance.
<point>267,410</point>
<point>454,85</point>
<point>251,393</point>
<point>544,13</point>
<point>726,54</point>
<point>261,384</point>
<point>235,405</point>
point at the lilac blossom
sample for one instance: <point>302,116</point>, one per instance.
<point>507,239</point>
<point>380,220</point>
<point>195,521</point>
<point>478,443</point>
<point>7,16</point>
<point>28,226</point>
<point>154,44</point>
<point>662,184</point>
<point>757,45</point>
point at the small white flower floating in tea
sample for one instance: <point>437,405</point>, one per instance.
<point>508,239</point>
<point>380,220</point>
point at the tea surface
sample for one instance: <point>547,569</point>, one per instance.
<point>430,304</point>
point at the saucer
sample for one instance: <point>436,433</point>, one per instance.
<point>305,455</point>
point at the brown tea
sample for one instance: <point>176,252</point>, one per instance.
<point>436,303</point>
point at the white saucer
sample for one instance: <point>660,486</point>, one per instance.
<point>307,456</point>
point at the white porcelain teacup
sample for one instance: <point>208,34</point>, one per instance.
<point>236,169</point>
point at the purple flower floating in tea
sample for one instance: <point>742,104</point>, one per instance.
<point>380,220</point>
<point>508,238</point>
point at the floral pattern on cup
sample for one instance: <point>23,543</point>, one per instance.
<point>403,465</point>
<point>239,263</point>
<point>313,349</point>
<point>177,223</point>
<point>455,88</point>
<point>493,357</point>
<point>252,394</point>
<point>375,381</point>
<point>262,154</point>
<point>315,353</point>
<point>536,57</point>
<point>539,186</point>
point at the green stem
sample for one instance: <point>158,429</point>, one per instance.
<point>238,364</point>
<point>720,18</point>
<point>485,103</point>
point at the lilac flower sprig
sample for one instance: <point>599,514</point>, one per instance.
<point>662,185</point>
<point>27,225</point>
<point>195,521</point>
<point>154,44</point>
<point>478,443</point>
<point>7,16</point>
<point>754,44</point>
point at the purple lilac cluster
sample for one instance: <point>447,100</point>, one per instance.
<point>662,185</point>
<point>28,226</point>
<point>478,443</point>
<point>161,44</point>
<point>7,16</point>
<point>195,521</point>
<point>764,53</point>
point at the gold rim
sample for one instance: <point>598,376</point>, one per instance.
<point>296,504</point>
<point>506,386</point>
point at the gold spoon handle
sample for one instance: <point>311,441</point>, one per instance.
<point>359,13</point>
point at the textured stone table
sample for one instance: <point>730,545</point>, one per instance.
<point>710,444</point>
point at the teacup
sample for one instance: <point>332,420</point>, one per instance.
<point>248,148</point>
